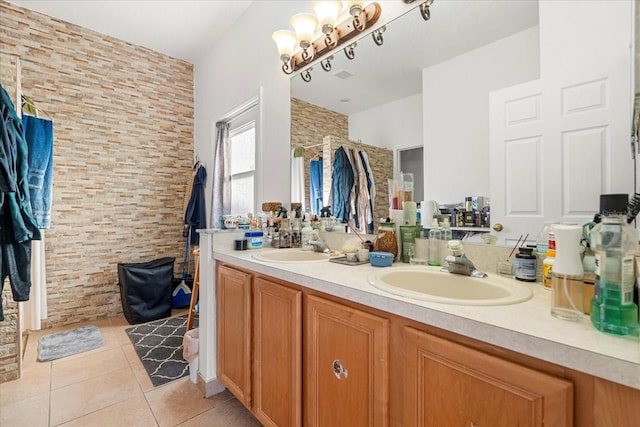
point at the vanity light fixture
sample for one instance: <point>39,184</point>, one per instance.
<point>327,13</point>
<point>326,63</point>
<point>377,35</point>
<point>317,34</point>
<point>424,8</point>
<point>305,25</point>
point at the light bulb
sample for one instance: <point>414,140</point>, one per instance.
<point>305,26</point>
<point>286,41</point>
<point>327,13</point>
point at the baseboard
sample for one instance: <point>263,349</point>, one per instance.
<point>210,388</point>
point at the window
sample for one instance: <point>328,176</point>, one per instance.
<point>242,135</point>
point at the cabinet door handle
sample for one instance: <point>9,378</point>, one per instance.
<point>339,370</point>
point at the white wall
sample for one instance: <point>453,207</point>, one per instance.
<point>456,113</point>
<point>394,125</point>
<point>238,67</point>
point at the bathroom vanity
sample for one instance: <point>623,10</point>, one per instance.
<point>313,343</point>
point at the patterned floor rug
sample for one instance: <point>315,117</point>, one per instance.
<point>159,347</point>
<point>67,343</point>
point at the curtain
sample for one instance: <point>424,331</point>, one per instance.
<point>221,200</point>
<point>297,176</point>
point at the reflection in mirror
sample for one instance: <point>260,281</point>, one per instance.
<point>377,98</point>
<point>429,85</point>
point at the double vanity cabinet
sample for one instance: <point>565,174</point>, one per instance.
<point>297,356</point>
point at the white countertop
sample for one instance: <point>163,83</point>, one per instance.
<point>526,327</point>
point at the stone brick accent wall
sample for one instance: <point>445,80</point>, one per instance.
<point>123,153</point>
<point>311,124</point>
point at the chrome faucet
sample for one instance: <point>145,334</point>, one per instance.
<point>318,244</point>
<point>459,263</point>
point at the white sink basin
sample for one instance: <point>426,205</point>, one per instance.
<point>290,255</point>
<point>431,284</point>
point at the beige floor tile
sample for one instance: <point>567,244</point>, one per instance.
<point>36,380</point>
<point>119,321</point>
<point>71,370</point>
<point>133,412</point>
<point>108,387</point>
<point>132,357</point>
<point>229,413</point>
<point>85,397</point>
<point>31,412</point>
<point>177,402</point>
<point>137,367</point>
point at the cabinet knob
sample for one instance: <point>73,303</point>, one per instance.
<point>338,369</point>
<point>497,227</point>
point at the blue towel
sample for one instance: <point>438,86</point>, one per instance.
<point>315,185</point>
<point>39,135</point>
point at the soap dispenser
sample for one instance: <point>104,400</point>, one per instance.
<point>435,235</point>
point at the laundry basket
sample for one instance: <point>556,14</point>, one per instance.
<point>145,289</point>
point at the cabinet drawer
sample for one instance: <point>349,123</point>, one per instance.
<point>449,384</point>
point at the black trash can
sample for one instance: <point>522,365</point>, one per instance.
<point>145,289</point>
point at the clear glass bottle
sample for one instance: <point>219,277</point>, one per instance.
<point>615,244</point>
<point>435,236</point>
<point>446,230</point>
<point>285,232</point>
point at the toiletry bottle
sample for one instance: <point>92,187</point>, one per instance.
<point>567,294</point>
<point>306,236</point>
<point>296,240</point>
<point>525,264</point>
<point>589,278</point>
<point>409,210</point>
<point>542,244</point>
<point>446,230</point>
<point>435,235</point>
<point>284,233</point>
<point>615,244</point>
<point>547,264</point>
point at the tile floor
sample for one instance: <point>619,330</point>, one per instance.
<point>108,387</point>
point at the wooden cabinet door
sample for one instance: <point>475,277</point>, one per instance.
<point>346,378</point>
<point>277,352</point>
<point>233,295</point>
<point>447,384</point>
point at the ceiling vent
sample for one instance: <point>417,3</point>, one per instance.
<point>343,74</point>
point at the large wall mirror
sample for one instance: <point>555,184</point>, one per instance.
<point>444,68</point>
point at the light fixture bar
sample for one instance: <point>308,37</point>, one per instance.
<point>346,30</point>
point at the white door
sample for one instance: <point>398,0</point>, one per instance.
<point>516,177</point>
<point>558,143</point>
<point>555,147</point>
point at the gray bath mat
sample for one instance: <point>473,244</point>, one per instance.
<point>67,343</point>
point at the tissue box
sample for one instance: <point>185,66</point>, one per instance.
<point>381,259</point>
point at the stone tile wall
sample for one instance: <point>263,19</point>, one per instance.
<point>310,124</point>
<point>123,152</point>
